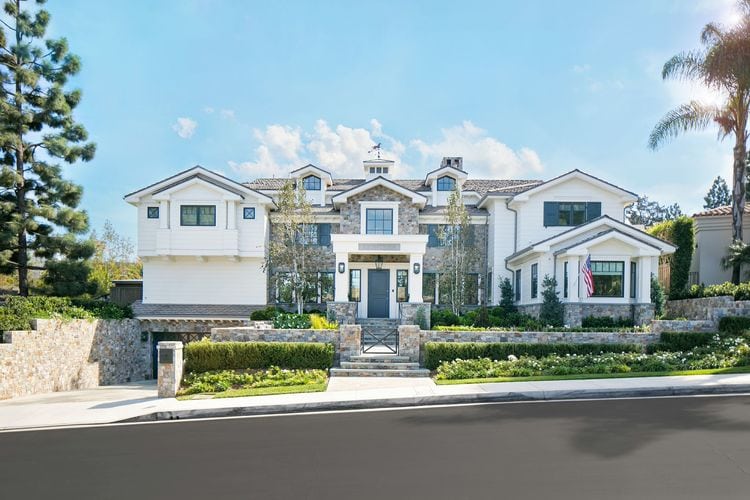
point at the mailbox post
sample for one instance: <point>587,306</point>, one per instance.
<point>170,368</point>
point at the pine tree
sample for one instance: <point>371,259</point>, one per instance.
<point>551,312</point>
<point>718,195</point>
<point>38,207</point>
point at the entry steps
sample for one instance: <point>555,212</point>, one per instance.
<point>379,365</point>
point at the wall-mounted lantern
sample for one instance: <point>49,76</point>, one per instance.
<point>342,267</point>
<point>379,262</point>
<point>417,267</point>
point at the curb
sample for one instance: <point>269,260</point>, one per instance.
<point>457,399</point>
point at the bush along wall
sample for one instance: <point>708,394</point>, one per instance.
<point>206,356</point>
<point>680,341</point>
<point>16,313</point>
<point>438,352</point>
<point>734,325</point>
<point>681,233</point>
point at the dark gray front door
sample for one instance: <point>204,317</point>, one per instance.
<point>378,284</point>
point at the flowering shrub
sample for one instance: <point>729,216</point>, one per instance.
<point>721,352</point>
<point>220,381</point>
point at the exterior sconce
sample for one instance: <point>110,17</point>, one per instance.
<point>417,267</point>
<point>342,267</point>
<point>379,262</point>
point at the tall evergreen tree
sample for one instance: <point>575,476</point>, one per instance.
<point>38,207</point>
<point>718,195</point>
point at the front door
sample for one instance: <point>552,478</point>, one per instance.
<point>378,284</point>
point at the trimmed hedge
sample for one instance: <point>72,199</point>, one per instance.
<point>17,312</point>
<point>206,356</point>
<point>438,352</point>
<point>680,341</point>
<point>735,325</point>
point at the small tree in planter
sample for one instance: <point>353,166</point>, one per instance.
<point>551,312</point>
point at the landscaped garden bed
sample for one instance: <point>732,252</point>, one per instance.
<point>675,354</point>
<point>234,369</point>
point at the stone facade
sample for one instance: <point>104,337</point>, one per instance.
<point>64,355</point>
<point>434,258</point>
<point>574,313</point>
<point>408,312</point>
<point>350,342</point>
<point>707,308</point>
<point>345,313</point>
<point>691,325</point>
<point>408,213</point>
<point>190,325</point>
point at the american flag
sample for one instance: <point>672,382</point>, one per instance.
<point>588,277</point>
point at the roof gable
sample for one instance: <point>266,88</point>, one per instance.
<point>197,175</point>
<point>624,195</point>
<point>379,181</point>
<point>314,170</point>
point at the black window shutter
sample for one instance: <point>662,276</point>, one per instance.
<point>432,238</point>
<point>593,210</point>
<point>324,234</point>
<point>551,213</point>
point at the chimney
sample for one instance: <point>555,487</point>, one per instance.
<point>456,162</point>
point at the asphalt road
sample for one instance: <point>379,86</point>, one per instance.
<point>679,448</point>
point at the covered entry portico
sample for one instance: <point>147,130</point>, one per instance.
<point>378,271</point>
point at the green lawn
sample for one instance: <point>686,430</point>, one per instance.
<point>586,376</point>
<point>258,391</point>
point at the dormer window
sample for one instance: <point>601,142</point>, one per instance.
<point>446,183</point>
<point>311,183</point>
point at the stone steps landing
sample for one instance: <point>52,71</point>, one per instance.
<point>382,365</point>
<point>358,372</point>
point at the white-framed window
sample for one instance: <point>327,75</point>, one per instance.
<point>311,183</point>
<point>379,217</point>
<point>248,212</point>
<point>152,212</point>
<point>446,183</point>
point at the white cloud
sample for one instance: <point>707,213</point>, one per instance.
<point>185,127</point>
<point>484,156</point>
<point>227,113</point>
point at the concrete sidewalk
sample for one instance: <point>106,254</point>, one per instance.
<point>138,401</point>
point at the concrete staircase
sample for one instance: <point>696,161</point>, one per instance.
<point>379,365</point>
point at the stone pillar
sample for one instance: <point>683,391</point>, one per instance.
<point>415,280</point>
<point>344,313</point>
<point>341,286</point>
<point>170,368</point>
<point>350,341</point>
<point>408,341</point>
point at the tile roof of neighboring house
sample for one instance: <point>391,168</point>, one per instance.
<point>725,210</point>
<point>481,186</point>
<point>202,311</point>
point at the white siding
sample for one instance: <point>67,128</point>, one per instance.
<point>531,212</point>
<point>217,280</point>
<point>147,228</point>
<point>501,233</point>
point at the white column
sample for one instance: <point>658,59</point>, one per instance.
<point>341,285</point>
<point>164,214</point>
<point>231,215</point>
<point>644,280</point>
<point>574,274</point>
<point>415,280</point>
<point>434,193</point>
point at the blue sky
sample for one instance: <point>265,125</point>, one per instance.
<point>519,89</point>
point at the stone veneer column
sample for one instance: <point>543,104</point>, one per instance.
<point>170,368</point>
<point>408,341</point>
<point>350,341</point>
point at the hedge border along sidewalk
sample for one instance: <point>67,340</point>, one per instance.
<point>439,352</point>
<point>208,356</point>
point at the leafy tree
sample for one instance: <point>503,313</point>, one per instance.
<point>647,213</point>
<point>681,233</point>
<point>457,235</point>
<point>657,296</point>
<point>551,312</point>
<point>718,195</point>
<point>507,300</point>
<point>292,249</point>
<point>723,65</point>
<point>37,132</point>
<point>738,254</point>
<point>113,259</point>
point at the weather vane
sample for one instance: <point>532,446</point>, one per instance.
<point>376,148</point>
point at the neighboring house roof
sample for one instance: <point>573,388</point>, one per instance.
<point>192,311</point>
<point>199,173</point>
<point>544,244</point>
<point>719,211</point>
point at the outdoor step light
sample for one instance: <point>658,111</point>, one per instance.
<point>417,267</point>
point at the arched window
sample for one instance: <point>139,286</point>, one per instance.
<point>446,183</point>
<point>311,183</point>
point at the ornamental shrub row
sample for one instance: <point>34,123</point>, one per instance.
<point>438,352</point>
<point>680,341</point>
<point>739,292</point>
<point>206,355</point>
<point>734,325</point>
<point>16,312</point>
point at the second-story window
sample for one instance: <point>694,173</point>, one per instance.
<point>379,221</point>
<point>311,183</point>
<point>248,212</point>
<point>198,215</point>
<point>152,212</point>
<point>446,183</point>
<point>570,213</point>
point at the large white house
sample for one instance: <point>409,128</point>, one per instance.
<point>203,239</point>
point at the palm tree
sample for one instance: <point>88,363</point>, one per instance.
<point>723,65</point>
<point>738,254</point>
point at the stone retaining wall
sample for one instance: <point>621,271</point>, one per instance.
<point>63,355</point>
<point>250,334</point>
<point>192,325</point>
<point>707,308</point>
<point>575,312</point>
<point>408,312</point>
<point>693,325</point>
